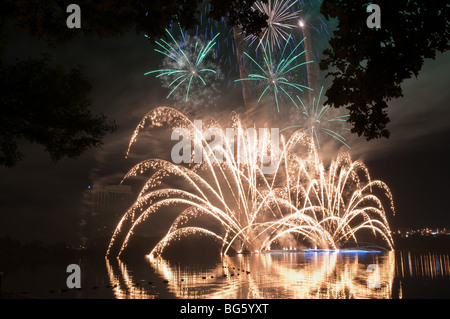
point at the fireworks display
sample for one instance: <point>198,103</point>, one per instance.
<point>274,74</point>
<point>281,20</point>
<point>319,207</point>
<point>316,122</point>
<point>224,190</point>
<point>184,64</point>
<point>232,150</point>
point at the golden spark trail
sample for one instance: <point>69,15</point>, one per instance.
<point>316,206</point>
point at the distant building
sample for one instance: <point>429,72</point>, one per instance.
<point>104,206</point>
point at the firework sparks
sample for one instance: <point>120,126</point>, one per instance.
<point>281,19</point>
<point>185,63</point>
<point>311,18</point>
<point>275,74</point>
<point>317,121</point>
<point>325,208</point>
<point>313,27</point>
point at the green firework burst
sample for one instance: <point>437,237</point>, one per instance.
<point>316,121</point>
<point>275,73</point>
<point>184,63</point>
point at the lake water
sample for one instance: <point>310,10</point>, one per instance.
<point>275,275</point>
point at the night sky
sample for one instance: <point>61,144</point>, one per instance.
<point>42,200</point>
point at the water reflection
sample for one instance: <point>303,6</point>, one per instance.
<point>291,275</point>
<point>426,265</point>
<point>122,282</point>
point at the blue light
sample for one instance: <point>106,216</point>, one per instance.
<point>342,251</point>
<point>360,251</point>
<point>325,251</point>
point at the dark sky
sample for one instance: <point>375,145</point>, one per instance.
<point>42,200</point>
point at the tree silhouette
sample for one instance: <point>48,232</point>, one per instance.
<point>50,106</point>
<point>368,66</point>
<point>46,19</point>
<point>46,104</point>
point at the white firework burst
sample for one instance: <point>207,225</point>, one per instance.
<point>282,17</point>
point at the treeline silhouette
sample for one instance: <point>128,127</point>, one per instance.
<point>417,242</point>
<point>14,253</point>
<point>10,245</point>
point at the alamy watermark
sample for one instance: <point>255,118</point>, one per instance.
<point>74,19</point>
<point>74,279</point>
<point>263,141</point>
<point>374,277</point>
<point>373,20</point>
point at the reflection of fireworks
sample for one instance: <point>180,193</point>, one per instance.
<point>314,276</point>
<point>185,64</point>
<point>275,74</point>
<point>316,121</point>
<point>323,208</point>
<point>280,20</point>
